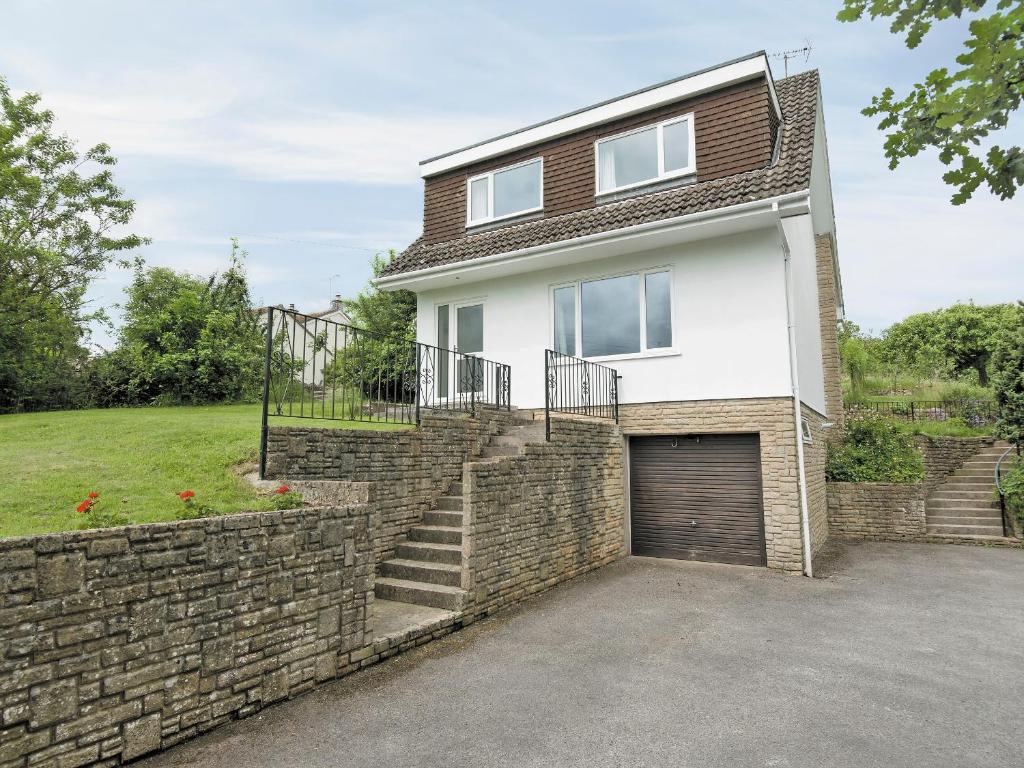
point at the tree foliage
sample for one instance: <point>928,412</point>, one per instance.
<point>1008,375</point>
<point>61,223</point>
<point>185,339</point>
<point>952,341</point>
<point>954,111</point>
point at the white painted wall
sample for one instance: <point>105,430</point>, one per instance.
<point>729,330</point>
<point>800,235</point>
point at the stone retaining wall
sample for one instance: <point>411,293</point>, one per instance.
<point>404,471</point>
<point>944,455</point>
<point>893,511</point>
<point>876,510</point>
<point>548,515</point>
<point>120,641</point>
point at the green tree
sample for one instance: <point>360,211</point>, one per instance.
<point>61,223</point>
<point>951,341</point>
<point>186,339</point>
<point>953,112</point>
<point>1008,375</point>
<point>390,314</point>
<point>380,363</point>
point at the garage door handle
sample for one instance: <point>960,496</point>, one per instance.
<point>693,523</point>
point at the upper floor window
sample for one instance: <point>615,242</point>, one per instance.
<point>648,154</point>
<point>507,192</point>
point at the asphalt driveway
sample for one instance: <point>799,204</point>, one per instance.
<point>905,655</point>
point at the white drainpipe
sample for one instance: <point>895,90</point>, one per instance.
<point>805,518</point>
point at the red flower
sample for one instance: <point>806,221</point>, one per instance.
<point>282,489</point>
<point>94,494</point>
<point>84,506</point>
<point>186,495</point>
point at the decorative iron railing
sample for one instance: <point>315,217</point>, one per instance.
<point>321,369</point>
<point>974,413</point>
<point>577,386</point>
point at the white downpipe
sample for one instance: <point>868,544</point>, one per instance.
<point>805,517</point>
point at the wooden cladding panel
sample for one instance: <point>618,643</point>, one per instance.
<point>697,498</point>
<point>734,133</point>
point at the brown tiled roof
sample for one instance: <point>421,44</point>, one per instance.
<point>798,98</point>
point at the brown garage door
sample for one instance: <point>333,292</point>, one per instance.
<point>697,498</point>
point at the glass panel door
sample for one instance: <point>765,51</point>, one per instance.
<point>469,334</point>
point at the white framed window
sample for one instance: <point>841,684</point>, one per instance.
<point>506,192</point>
<point>623,315</point>
<point>664,150</point>
<point>805,430</point>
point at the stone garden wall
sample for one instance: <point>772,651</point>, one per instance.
<point>404,472</point>
<point>876,510</point>
<point>945,455</point>
<point>551,514</point>
<point>892,511</point>
<point>120,641</point>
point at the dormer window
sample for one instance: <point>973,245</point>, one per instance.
<point>646,155</point>
<point>507,192</point>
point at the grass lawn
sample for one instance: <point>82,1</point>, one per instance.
<point>136,458</point>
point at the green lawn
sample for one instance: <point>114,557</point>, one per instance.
<point>136,458</point>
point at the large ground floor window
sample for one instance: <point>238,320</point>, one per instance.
<point>611,316</point>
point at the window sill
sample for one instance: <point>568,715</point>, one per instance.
<point>504,221</point>
<point>651,353</point>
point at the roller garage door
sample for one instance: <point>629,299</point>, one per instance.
<point>697,498</point>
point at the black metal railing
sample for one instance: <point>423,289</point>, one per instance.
<point>974,413</point>
<point>577,386</point>
<point>1001,492</point>
<point>321,369</point>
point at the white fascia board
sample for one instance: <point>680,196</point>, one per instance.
<point>701,82</point>
<point>692,226</point>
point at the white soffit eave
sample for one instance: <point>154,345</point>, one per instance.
<point>641,101</point>
<point>704,225</point>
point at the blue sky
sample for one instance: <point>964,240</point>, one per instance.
<point>297,126</point>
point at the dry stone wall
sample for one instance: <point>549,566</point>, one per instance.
<point>120,641</point>
<point>945,455</point>
<point>550,514</point>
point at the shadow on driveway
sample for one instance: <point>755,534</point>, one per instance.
<point>907,655</point>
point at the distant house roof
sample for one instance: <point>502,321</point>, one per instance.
<point>791,172</point>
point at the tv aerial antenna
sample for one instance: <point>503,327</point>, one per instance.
<point>796,53</point>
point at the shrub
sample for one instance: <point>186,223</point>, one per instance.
<point>1013,487</point>
<point>95,514</point>
<point>874,450</point>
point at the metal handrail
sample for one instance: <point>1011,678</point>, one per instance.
<point>320,369</point>
<point>577,386</point>
<point>999,488</point>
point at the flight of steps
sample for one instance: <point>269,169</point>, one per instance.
<point>965,504</point>
<point>427,567</point>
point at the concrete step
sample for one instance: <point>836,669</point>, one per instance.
<point>965,530</point>
<point>445,517</point>
<point>983,496</point>
<point>951,502</point>
<point>417,570</point>
<point>493,451</point>
<point>450,503</point>
<point>419,593</point>
<point>973,473</point>
<point>455,489</point>
<point>968,484</point>
<point>429,552</point>
<point>436,534</point>
<point>965,519</point>
<point>510,439</point>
